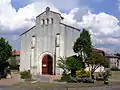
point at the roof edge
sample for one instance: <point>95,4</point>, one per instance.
<point>70,26</point>
<point>52,12</point>
<point>27,30</point>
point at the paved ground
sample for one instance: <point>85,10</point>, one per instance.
<point>6,84</point>
<point>14,80</point>
<point>16,88</point>
<point>23,88</point>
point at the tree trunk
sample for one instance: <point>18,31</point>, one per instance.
<point>73,72</point>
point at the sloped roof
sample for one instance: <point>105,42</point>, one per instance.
<point>97,50</point>
<point>48,9</point>
<point>106,54</point>
<point>111,55</point>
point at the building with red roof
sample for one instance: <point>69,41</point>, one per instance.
<point>15,59</point>
<point>16,53</point>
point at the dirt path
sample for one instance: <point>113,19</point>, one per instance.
<point>11,81</point>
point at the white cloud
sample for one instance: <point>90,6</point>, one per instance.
<point>64,5</point>
<point>10,19</point>
<point>25,17</point>
<point>69,18</point>
<point>7,12</point>
<point>103,27</point>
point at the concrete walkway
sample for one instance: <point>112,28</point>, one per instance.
<point>11,81</point>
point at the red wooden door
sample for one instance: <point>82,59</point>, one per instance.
<point>44,65</point>
<point>47,65</point>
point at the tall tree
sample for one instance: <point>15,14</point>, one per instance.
<point>83,45</point>
<point>5,53</point>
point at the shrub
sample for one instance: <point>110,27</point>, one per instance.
<point>70,64</point>
<point>103,76</point>
<point>83,73</point>
<point>99,77</point>
<point>25,74</point>
<point>67,77</point>
<point>106,75</point>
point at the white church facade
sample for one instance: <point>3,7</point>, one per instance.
<point>43,44</point>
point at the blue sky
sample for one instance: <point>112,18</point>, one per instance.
<point>19,3</point>
<point>107,6</point>
<point>100,17</point>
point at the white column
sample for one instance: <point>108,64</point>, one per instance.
<point>32,61</point>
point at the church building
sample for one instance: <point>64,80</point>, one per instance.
<point>44,43</point>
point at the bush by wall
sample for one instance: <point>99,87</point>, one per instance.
<point>26,74</point>
<point>103,76</point>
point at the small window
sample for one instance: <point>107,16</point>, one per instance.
<point>57,39</point>
<point>42,22</point>
<point>33,41</point>
<point>47,21</point>
<point>52,20</point>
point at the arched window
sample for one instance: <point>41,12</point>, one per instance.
<point>51,21</point>
<point>57,40</point>
<point>33,41</point>
<point>42,22</point>
<point>47,21</point>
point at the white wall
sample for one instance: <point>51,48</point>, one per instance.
<point>25,52</point>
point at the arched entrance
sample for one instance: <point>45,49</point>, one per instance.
<point>47,65</point>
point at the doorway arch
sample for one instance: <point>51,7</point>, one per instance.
<point>47,65</point>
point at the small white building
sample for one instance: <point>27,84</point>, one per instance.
<point>43,44</point>
<point>113,60</point>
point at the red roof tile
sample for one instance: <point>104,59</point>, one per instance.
<point>16,52</point>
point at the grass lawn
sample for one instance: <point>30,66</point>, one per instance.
<point>66,85</point>
<point>115,75</point>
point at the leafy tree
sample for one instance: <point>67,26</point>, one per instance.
<point>74,63</point>
<point>95,61</point>
<point>83,45</point>
<point>5,53</point>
